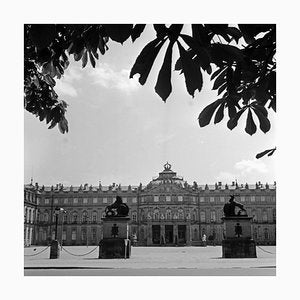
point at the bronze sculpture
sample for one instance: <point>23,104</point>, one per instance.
<point>229,208</point>
<point>117,209</point>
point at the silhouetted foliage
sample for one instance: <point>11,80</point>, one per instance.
<point>239,59</point>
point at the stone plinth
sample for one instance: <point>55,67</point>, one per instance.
<point>238,242</point>
<point>54,249</point>
<point>115,242</point>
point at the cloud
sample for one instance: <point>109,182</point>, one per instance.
<point>249,166</point>
<point>226,176</point>
<point>104,75</point>
<point>65,85</point>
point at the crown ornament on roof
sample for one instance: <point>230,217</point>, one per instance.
<point>167,167</point>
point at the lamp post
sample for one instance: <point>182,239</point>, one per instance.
<point>62,226</point>
<point>54,249</point>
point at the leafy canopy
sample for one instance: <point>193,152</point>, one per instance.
<point>242,57</point>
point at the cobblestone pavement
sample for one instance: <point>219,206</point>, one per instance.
<point>207,261</point>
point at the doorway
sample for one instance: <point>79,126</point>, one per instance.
<point>156,234</point>
<point>181,234</point>
<point>169,234</point>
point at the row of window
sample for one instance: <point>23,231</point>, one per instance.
<point>156,198</point>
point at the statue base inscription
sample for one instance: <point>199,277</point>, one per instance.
<point>238,242</point>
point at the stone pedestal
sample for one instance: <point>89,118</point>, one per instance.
<point>115,242</point>
<point>238,242</point>
<point>54,249</point>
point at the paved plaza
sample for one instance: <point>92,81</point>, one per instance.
<point>149,261</point>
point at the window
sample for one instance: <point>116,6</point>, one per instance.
<point>156,198</point>
<point>274,214</point>
<point>55,201</point>
<point>242,198</point>
<point>94,234</point>
<point>201,199</point>
<point>265,216</point>
<point>211,199</point>
<point>75,200</point>
<point>202,216</point>
<point>156,214</point>
<point>94,217</point>
<point>74,235</point>
<point>252,198</point>
<point>64,235</point>
<point>95,200</point>
<point>124,200</point>
<point>134,200</point>
<point>254,215</point>
<point>180,214</point>
<point>266,233</point>
<point>65,218</point>
<point>85,200</point>
<point>222,199</point>
<point>66,201</point>
<point>134,216</point>
<point>47,201</point>
<point>263,198</point>
<point>180,198</point>
<point>74,218</point>
<point>83,234</point>
<point>104,200</point>
<point>169,214</point>
<point>84,217</point>
<point>213,216</point>
<point>168,198</point>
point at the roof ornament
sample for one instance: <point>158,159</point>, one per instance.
<point>167,167</point>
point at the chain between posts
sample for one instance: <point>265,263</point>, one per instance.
<point>37,253</point>
<point>79,254</point>
<point>264,250</point>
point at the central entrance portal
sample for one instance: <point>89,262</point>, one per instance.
<point>169,234</point>
<point>181,234</point>
<point>156,234</point>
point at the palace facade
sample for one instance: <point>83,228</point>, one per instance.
<point>167,211</point>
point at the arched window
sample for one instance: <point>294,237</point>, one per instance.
<point>265,216</point>
<point>65,218</point>
<point>134,216</point>
<point>94,217</point>
<point>266,233</point>
<point>255,234</point>
<point>194,215</point>
<point>74,217</point>
<point>213,216</point>
<point>83,234</point>
<point>46,217</point>
<point>202,216</point>
<point>84,217</point>
<point>168,214</point>
<point>195,234</point>
<point>180,214</point>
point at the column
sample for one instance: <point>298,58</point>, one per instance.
<point>175,233</point>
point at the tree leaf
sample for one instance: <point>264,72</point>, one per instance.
<point>232,123</point>
<point>202,53</point>
<point>192,74</point>
<point>222,88</point>
<point>207,113</point>
<point>84,59</point>
<point>220,113</point>
<point>92,60</point>
<point>264,122</point>
<point>163,85</point>
<point>145,60</point>
<point>137,31</point>
<point>42,34</point>
<point>200,33</point>
<point>220,80</point>
<point>118,32</point>
<point>217,72</point>
<point>261,154</point>
<point>250,125</point>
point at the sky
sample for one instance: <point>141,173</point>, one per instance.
<point>122,132</point>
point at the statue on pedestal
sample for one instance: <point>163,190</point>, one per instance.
<point>117,209</point>
<point>229,208</point>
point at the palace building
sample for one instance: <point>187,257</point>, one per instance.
<point>167,211</point>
